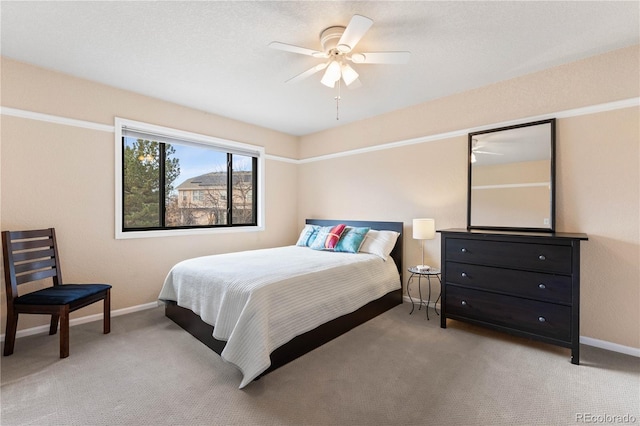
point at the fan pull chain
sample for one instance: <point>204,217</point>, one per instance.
<point>337,98</point>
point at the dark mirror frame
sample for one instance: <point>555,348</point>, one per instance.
<point>552,179</point>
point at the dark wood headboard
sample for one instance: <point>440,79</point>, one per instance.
<point>396,253</point>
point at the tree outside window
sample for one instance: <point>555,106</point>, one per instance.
<point>170,185</point>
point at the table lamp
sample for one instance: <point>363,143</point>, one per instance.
<point>424,229</point>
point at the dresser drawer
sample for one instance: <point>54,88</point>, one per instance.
<point>537,257</point>
<point>532,285</point>
<point>544,319</point>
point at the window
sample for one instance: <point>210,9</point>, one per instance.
<point>172,182</point>
<point>197,195</point>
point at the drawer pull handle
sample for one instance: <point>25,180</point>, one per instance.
<point>464,250</point>
<point>542,257</point>
<point>542,286</point>
<point>464,275</point>
<point>464,303</point>
<point>542,319</point>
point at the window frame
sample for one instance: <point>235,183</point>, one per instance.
<point>192,139</point>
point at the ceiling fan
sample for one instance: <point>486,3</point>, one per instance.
<point>338,44</point>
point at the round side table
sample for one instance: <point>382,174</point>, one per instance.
<point>415,272</point>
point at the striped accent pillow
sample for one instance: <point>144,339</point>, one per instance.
<point>328,237</point>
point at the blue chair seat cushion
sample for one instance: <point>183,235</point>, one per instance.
<point>61,294</point>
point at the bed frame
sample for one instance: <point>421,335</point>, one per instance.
<point>322,334</point>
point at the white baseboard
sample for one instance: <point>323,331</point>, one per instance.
<point>416,300</point>
<point>44,329</point>
<point>614,347</point>
<point>589,341</point>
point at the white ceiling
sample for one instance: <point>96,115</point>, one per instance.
<point>213,56</point>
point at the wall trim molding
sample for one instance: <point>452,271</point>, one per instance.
<point>592,109</point>
<point>14,112</point>
<point>613,347</point>
<point>589,341</point>
<point>389,145</point>
<point>44,329</point>
<point>283,159</point>
<point>575,112</point>
<point>513,185</point>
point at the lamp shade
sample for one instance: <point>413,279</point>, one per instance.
<point>424,229</point>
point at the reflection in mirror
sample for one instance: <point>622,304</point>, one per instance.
<point>511,177</point>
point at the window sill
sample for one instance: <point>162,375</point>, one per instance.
<point>120,235</point>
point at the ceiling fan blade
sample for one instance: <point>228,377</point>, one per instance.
<point>307,73</point>
<point>381,57</point>
<point>296,49</point>
<point>357,28</point>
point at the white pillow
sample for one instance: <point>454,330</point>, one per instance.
<point>379,243</point>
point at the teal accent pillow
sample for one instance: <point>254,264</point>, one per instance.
<point>308,235</point>
<point>351,240</point>
<point>328,237</point>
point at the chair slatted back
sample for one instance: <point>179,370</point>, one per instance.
<point>29,256</point>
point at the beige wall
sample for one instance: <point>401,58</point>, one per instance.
<point>598,181</point>
<point>63,176</point>
<point>68,173</point>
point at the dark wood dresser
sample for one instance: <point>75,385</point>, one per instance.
<point>526,284</point>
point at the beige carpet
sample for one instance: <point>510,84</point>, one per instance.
<point>397,369</point>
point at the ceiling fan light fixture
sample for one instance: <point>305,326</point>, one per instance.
<point>331,75</point>
<point>349,75</point>
<point>327,81</point>
<point>338,43</point>
<point>358,58</point>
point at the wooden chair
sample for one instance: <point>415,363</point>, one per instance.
<point>32,256</point>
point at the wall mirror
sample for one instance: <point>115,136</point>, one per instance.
<point>512,178</point>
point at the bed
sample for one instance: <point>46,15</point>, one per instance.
<point>270,312</point>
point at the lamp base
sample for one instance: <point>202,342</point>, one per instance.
<point>423,267</point>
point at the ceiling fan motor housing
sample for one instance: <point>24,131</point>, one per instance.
<point>330,37</point>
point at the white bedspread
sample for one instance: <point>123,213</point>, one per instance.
<point>259,300</point>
